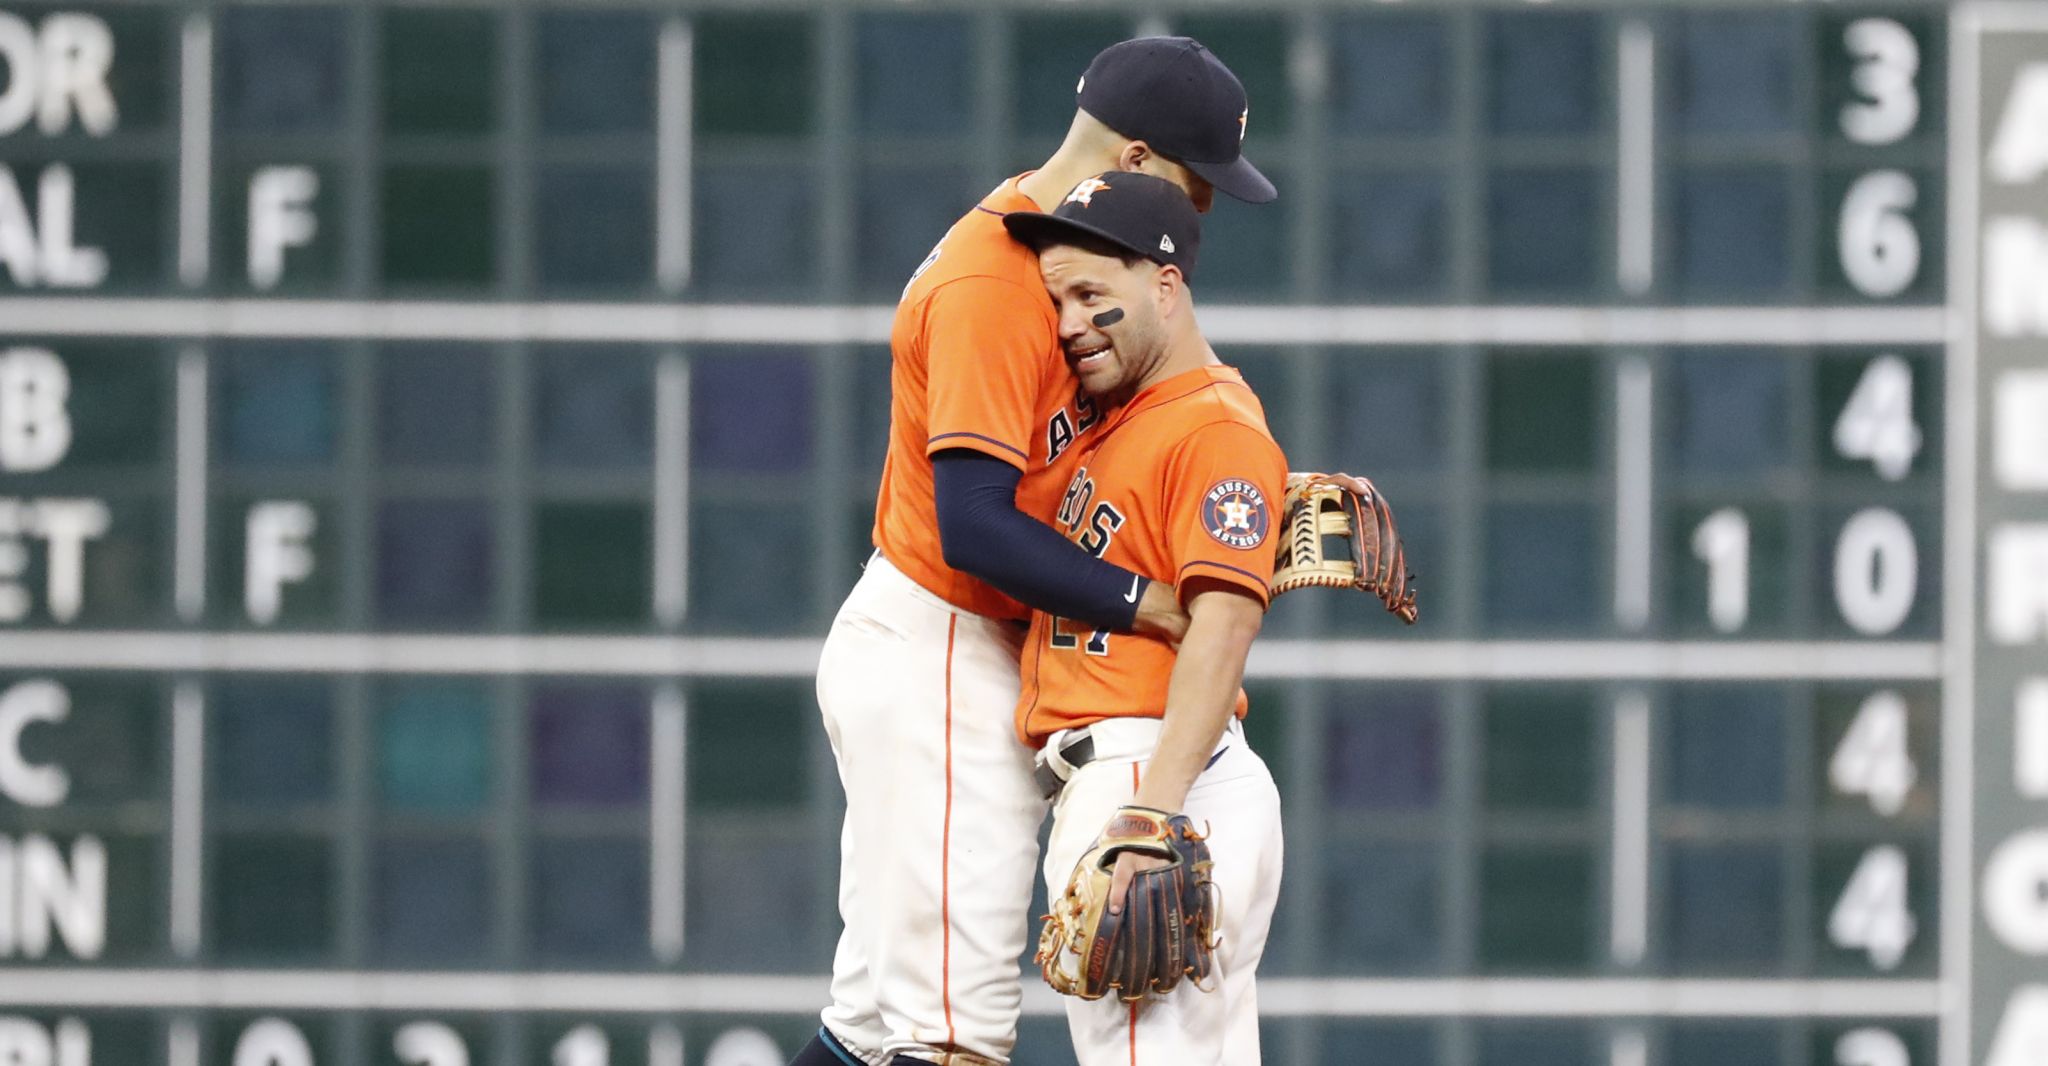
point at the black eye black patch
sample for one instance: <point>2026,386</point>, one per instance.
<point>1108,318</point>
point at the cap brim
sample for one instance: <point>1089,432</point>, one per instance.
<point>1238,179</point>
<point>1038,229</point>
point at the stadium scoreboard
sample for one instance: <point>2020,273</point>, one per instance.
<point>433,439</point>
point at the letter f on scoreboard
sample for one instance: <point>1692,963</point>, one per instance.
<point>280,217</point>
<point>276,554</point>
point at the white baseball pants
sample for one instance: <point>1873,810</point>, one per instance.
<point>941,831</point>
<point>1236,803</point>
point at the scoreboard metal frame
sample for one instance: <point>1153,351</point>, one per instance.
<point>1984,348</point>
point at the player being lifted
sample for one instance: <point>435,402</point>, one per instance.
<point>1180,484</point>
<point>919,675</point>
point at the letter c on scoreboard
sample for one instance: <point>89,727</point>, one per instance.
<point>24,782</point>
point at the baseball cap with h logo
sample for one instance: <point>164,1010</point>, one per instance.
<point>1177,97</point>
<point>1136,214</point>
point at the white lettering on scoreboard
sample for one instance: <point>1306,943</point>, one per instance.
<point>35,423</point>
<point>2016,246</point>
<point>63,527</point>
<point>277,554</point>
<point>280,217</point>
<point>2030,739</point>
<point>35,435</point>
<point>57,74</point>
<point>2011,327</point>
<point>36,243</point>
<point>2016,593</point>
<point>25,1042</point>
<point>2019,150</point>
<point>46,896</point>
<point>23,705</point>
<point>56,79</point>
<point>2019,426</point>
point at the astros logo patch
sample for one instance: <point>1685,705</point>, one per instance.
<point>1084,193</point>
<point>1234,512</point>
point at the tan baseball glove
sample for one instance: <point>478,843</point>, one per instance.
<point>1339,533</point>
<point>1167,930</point>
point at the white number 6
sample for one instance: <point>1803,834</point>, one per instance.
<point>1880,249</point>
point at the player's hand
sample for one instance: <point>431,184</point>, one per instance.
<point>1351,482</point>
<point>1128,865</point>
<point>1160,614</point>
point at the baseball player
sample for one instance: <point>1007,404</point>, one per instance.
<point>1180,484</point>
<point>920,671</point>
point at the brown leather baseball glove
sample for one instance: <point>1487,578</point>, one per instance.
<point>1340,533</point>
<point>1167,930</point>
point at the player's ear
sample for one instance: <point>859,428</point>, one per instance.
<point>1170,289</point>
<point>1132,159</point>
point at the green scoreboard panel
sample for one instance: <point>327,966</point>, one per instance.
<point>434,438</point>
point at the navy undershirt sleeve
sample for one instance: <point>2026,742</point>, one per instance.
<point>981,532</point>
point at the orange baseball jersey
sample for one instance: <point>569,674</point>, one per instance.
<point>1182,483</point>
<point>975,363</point>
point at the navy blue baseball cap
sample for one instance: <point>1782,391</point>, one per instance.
<point>1138,214</point>
<point>1176,96</point>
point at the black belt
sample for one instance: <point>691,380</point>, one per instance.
<point>1077,754</point>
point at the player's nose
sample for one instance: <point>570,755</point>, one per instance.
<point>1073,324</point>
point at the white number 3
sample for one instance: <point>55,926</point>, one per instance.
<point>1887,58</point>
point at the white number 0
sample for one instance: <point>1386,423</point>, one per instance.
<point>1877,571</point>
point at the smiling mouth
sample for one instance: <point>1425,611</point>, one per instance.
<point>1081,360</point>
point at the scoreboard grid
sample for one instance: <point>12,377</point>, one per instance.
<point>1637,672</point>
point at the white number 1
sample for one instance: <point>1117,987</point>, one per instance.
<point>1722,542</point>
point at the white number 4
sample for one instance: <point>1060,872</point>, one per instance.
<point>1877,422</point>
<point>1871,1047</point>
<point>1872,758</point>
<point>1872,912</point>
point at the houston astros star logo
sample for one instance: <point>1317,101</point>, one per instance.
<point>1234,512</point>
<point>1084,192</point>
